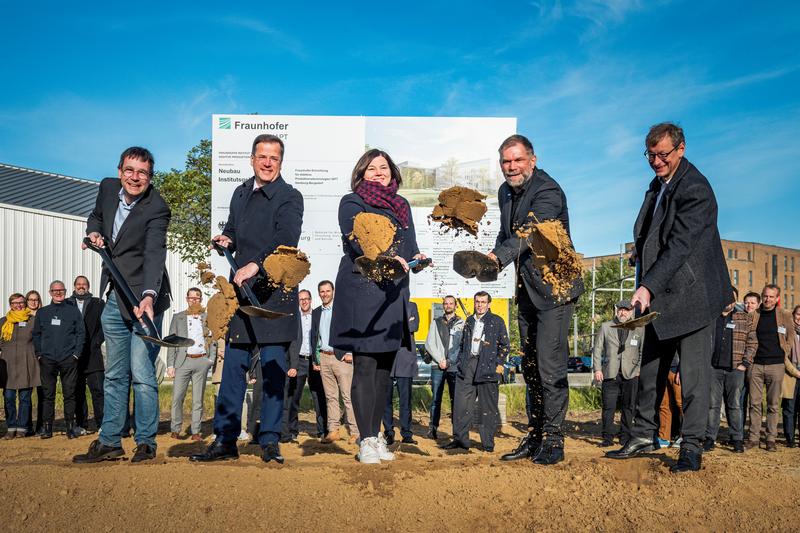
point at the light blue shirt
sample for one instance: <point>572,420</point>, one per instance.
<point>123,210</point>
<point>325,328</point>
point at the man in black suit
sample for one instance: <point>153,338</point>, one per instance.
<point>404,370</point>
<point>90,364</point>
<point>265,213</point>
<point>132,219</point>
<point>528,195</point>
<point>679,257</point>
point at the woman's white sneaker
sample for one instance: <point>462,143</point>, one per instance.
<point>368,451</point>
<point>383,450</point>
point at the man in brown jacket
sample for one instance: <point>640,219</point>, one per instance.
<point>773,328</point>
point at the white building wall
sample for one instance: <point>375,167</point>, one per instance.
<point>40,246</point>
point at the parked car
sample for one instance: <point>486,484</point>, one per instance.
<point>423,368</point>
<point>511,368</point>
<point>579,364</point>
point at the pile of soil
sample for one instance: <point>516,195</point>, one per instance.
<point>221,308</point>
<point>286,267</point>
<point>460,208</point>
<point>195,309</point>
<point>206,275</point>
<point>374,233</point>
<point>553,255</point>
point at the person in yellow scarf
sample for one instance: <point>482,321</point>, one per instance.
<point>19,361</point>
<point>17,313</point>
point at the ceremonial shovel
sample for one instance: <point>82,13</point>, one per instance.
<point>638,321</point>
<point>254,309</point>
<point>150,332</point>
<point>385,267</point>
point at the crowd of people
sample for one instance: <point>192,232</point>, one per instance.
<point>670,375</point>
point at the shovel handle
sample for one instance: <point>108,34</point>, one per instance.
<point>248,292</point>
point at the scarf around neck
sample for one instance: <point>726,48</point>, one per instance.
<point>376,195</point>
<point>13,317</point>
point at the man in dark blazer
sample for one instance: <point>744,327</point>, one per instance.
<point>90,364</point>
<point>404,370</point>
<point>528,195</point>
<point>484,349</point>
<point>265,212</point>
<point>132,219</point>
<point>678,256</point>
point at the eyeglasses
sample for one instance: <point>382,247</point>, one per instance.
<point>128,172</point>
<point>17,303</point>
<point>58,291</point>
<point>651,156</point>
<point>194,298</point>
<point>33,299</point>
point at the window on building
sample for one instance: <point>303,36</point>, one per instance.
<point>792,264</point>
<point>749,255</point>
<point>736,254</point>
<point>785,263</point>
<point>750,278</point>
<point>736,277</point>
<point>785,283</point>
<point>791,285</point>
<point>730,253</point>
<point>774,269</point>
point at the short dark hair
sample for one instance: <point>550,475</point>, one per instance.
<point>796,308</point>
<point>325,282</point>
<point>658,132</point>
<point>80,277</point>
<point>483,293</point>
<point>735,291</point>
<point>267,138</point>
<point>15,296</point>
<point>773,287</point>
<point>516,139</point>
<point>194,289</point>
<point>752,294</point>
<point>449,296</point>
<point>139,153</point>
<point>361,168</point>
<point>301,291</point>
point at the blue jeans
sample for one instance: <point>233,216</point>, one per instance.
<point>438,378</point>
<point>791,413</point>
<point>18,419</point>
<point>228,413</point>
<point>129,359</point>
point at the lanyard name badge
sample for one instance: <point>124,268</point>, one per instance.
<point>55,321</point>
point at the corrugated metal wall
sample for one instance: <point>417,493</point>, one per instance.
<point>39,247</point>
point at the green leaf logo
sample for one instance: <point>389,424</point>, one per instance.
<point>224,123</point>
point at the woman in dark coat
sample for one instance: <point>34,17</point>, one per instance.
<point>33,301</point>
<point>19,358</point>
<point>369,317</point>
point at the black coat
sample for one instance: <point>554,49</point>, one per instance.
<point>140,250</point>
<point>370,317</point>
<point>58,332</point>
<point>544,198</point>
<point>493,351</point>
<point>258,222</point>
<point>316,315</point>
<point>405,363</point>
<point>92,357</point>
<point>680,254</point>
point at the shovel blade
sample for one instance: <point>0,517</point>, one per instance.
<point>170,341</point>
<point>260,312</point>
<point>637,322</point>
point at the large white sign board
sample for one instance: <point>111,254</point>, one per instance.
<point>433,153</point>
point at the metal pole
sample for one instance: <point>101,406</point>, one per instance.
<point>575,335</point>
<point>594,274</point>
<point>621,269</point>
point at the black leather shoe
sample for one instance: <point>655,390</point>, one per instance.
<point>635,446</point>
<point>47,431</point>
<point>688,461</point>
<point>738,446</point>
<point>790,443</point>
<point>454,445</point>
<point>409,440</point>
<point>217,451</point>
<point>272,452</point>
<point>488,449</point>
<point>389,437</point>
<point>607,443</point>
<point>432,434</point>
<point>709,444</point>
<point>288,439</point>
<point>143,452</point>
<point>527,447</point>
<point>70,429</point>
<point>549,453</point>
<point>99,452</point>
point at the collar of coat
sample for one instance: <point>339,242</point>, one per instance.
<point>268,189</point>
<point>680,172</point>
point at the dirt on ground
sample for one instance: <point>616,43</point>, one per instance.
<point>322,487</point>
<point>460,208</point>
<point>286,267</point>
<point>374,233</point>
<point>221,308</point>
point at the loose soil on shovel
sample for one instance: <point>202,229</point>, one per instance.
<point>322,487</point>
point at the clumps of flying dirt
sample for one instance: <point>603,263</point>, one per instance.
<point>206,275</point>
<point>374,233</point>
<point>195,309</point>
<point>553,254</point>
<point>286,267</point>
<point>460,209</point>
<point>221,308</point>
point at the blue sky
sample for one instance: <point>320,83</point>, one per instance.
<point>585,80</point>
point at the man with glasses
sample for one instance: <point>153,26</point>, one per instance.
<point>131,218</point>
<point>300,353</point>
<point>679,258</point>
<point>58,335</point>
<point>190,364</point>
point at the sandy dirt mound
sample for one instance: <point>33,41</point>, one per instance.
<point>286,267</point>
<point>553,255</point>
<point>195,309</point>
<point>321,487</point>
<point>460,208</point>
<point>374,233</point>
<point>221,308</point>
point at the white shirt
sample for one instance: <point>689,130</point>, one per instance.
<point>305,347</point>
<point>325,328</point>
<point>664,185</point>
<point>195,328</point>
<point>477,335</point>
<point>80,304</point>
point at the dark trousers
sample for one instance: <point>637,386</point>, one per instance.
<point>95,382</point>
<point>50,370</point>
<point>621,391</point>
<point>39,408</point>
<point>228,414</point>
<point>727,385</point>
<point>404,386</point>
<point>694,350</point>
<point>544,336</point>
<point>791,413</point>
<point>464,410</point>
<point>438,379</point>
<point>293,393</point>
<point>369,389</point>
<point>318,397</point>
<point>17,419</point>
